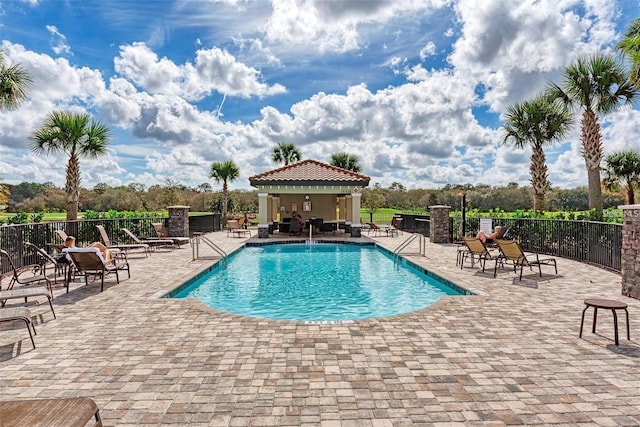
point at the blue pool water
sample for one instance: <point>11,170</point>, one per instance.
<point>322,282</point>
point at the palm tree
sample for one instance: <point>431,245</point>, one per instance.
<point>630,46</point>
<point>346,161</point>
<point>286,153</point>
<point>14,82</point>
<point>623,166</point>
<point>4,195</point>
<point>224,171</point>
<point>595,85</point>
<point>77,135</point>
<point>536,123</point>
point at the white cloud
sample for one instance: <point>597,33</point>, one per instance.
<point>214,70</point>
<point>335,26</point>
<point>428,50</point>
<point>514,48</point>
<point>58,41</point>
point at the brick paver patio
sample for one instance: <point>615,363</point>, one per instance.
<point>507,356</point>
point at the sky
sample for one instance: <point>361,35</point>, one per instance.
<point>416,89</point>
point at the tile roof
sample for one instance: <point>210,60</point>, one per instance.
<point>309,172</point>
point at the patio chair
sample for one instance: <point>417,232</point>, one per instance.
<point>19,313</point>
<point>57,261</point>
<point>511,251</point>
<point>162,233</point>
<point>90,261</point>
<point>387,229</point>
<point>26,293</point>
<point>153,243</point>
<point>74,411</point>
<point>123,247</point>
<point>61,234</point>
<point>396,223</point>
<point>234,225</point>
<point>294,227</point>
<point>502,234</point>
<point>475,248</point>
<point>20,277</point>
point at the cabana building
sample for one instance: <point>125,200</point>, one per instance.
<point>327,197</point>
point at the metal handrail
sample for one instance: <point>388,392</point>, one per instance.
<point>195,246</point>
<point>407,242</point>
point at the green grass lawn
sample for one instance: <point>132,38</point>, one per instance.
<point>52,216</point>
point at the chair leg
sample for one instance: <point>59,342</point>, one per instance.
<point>28,324</point>
<point>51,305</point>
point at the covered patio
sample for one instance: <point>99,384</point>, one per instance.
<point>328,198</point>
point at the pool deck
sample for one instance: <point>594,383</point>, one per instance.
<point>507,356</point>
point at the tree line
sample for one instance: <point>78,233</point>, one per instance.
<point>135,197</point>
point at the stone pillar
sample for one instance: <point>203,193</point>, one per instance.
<point>439,224</point>
<point>178,224</point>
<point>356,227</point>
<point>631,251</point>
<point>263,215</point>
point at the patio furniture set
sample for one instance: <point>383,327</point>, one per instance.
<point>502,251</point>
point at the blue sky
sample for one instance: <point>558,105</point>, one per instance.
<point>415,89</point>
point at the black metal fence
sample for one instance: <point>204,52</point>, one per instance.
<point>597,243</point>
<point>43,235</point>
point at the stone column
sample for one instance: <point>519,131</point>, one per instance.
<point>439,224</point>
<point>631,251</point>
<point>178,224</point>
<point>263,215</point>
<point>356,227</point>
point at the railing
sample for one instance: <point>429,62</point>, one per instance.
<point>12,237</point>
<point>597,243</point>
<point>204,223</point>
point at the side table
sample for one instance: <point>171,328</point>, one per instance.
<point>608,304</point>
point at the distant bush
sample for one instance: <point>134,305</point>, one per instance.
<point>18,218</point>
<point>114,214</point>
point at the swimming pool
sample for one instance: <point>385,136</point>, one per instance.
<point>321,282</point>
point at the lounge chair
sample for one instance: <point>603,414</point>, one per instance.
<point>62,235</point>
<point>511,251</point>
<point>30,292</point>
<point>90,261</point>
<point>153,243</point>
<point>59,267</point>
<point>502,234</point>
<point>387,229</point>
<point>237,227</point>
<point>475,248</point>
<point>162,233</point>
<point>19,277</point>
<point>123,247</point>
<point>74,411</point>
<point>18,313</point>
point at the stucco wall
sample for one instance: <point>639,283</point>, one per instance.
<point>322,206</point>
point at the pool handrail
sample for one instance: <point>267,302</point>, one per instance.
<point>195,242</point>
<point>407,242</point>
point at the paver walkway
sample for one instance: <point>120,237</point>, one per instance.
<point>509,356</point>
